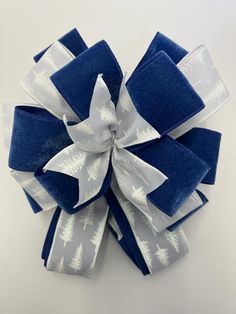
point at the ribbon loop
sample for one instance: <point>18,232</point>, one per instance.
<point>39,86</point>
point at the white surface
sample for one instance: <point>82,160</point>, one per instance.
<point>202,282</point>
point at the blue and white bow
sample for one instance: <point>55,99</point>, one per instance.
<point>102,139</point>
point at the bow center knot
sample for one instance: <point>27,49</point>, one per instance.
<point>103,138</point>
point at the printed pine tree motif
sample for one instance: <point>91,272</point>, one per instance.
<point>70,149</point>
<point>145,134</point>
<point>60,220</point>
<point>25,183</point>
<point>141,164</point>
<point>138,195</point>
<point>49,59</point>
<point>49,204</point>
<point>90,194</point>
<point>76,262</point>
<point>125,172</point>
<point>41,78</point>
<point>147,221</point>
<point>217,92</point>
<point>85,127</point>
<point>96,239</point>
<point>188,67</point>
<point>87,216</point>
<point>143,245</point>
<point>201,57</point>
<point>172,238</point>
<point>106,114</point>
<point>126,106</point>
<point>40,193</point>
<point>92,170</point>
<point>67,232</point>
<point>43,81</point>
<point>73,164</point>
<point>162,255</point>
<point>60,266</point>
<point>27,84</point>
<point>116,228</point>
<point>129,212</point>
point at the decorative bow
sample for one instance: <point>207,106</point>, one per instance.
<point>102,132</point>
<point>103,137</point>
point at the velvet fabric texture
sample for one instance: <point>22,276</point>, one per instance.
<point>161,43</point>
<point>162,95</point>
<point>205,144</point>
<point>183,169</point>
<point>76,80</point>
<point>71,40</point>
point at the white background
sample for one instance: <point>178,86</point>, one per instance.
<point>201,283</point>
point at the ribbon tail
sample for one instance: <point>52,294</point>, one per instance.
<point>159,250</point>
<point>77,240</point>
<point>40,87</point>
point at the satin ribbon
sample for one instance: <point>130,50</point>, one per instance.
<point>81,233</point>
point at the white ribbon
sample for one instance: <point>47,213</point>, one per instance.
<point>200,71</point>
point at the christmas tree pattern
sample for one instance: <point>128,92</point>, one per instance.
<point>126,106</point>
<point>60,266</point>
<point>189,66</point>
<point>129,212</point>
<point>162,255</point>
<point>143,245</point>
<point>25,183</point>
<point>49,60</point>
<point>76,262</point>
<point>60,220</point>
<point>139,196</point>
<point>92,170</point>
<point>96,239</point>
<point>27,85</point>
<point>41,79</point>
<point>90,194</point>
<point>106,114</point>
<point>216,92</point>
<point>49,203</point>
<point>85,127</point>
<point>146,219</point>
<point>87,216</point>
<point>116,228</point>
<point>67,232</point>
<point>172,238</point>
<point>142,135</point>
<point>70,149</point>
<point>73,164</point>
<point>39,193</point>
